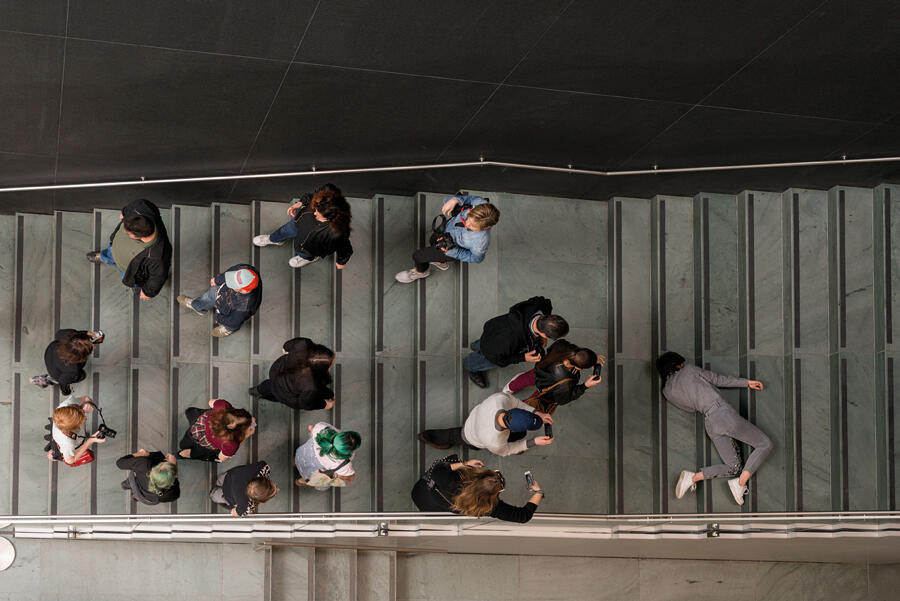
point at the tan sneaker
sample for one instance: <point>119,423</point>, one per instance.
<point>221,332</point>
<point>411,275</point>
<point>443,266</point>
<point>187,302</point>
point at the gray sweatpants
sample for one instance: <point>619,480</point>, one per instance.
<point>726,428</point>
<point>217,495</point>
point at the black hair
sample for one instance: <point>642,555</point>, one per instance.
<point>668,363</point>
<point>140,226</point>
<point>330,188</point>
<point>552,326</point>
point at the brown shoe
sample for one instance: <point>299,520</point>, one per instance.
<point>422,438</point>
<point>221,332</point>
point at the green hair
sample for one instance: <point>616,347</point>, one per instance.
<point>162,477</point>
<point>339,445</point>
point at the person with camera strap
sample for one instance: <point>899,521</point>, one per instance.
<point>464,236</point>
<point>68,418</point>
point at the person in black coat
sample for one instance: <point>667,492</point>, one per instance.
<point>65,358</point>
<point>470,489</point>
<point>235,295</point>
<point>244,488</point>
<point>152,477</point>
<point>140,248</point>
<point>557,376</point>
<point>319,225</point>
<point>518,336</point>
<point>300,378</point>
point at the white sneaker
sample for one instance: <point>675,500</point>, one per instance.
<point>685,483</point>
<point>406,277</point>
<point>264,240</point>
<point>506,388</point>
<point>297,262</point>
<point>737,491</point>
<point>443,266</point>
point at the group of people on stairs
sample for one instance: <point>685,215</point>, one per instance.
<point>319,224</point>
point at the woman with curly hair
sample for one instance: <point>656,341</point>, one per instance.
<point>470,489</point>
<point>319,225</point>
<point>65,358</point>
<point>216,434</point>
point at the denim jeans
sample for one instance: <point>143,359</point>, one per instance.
<point>207,301</point>
<point>286,231</point>
<point>107,259</point>
<point>475,361</point>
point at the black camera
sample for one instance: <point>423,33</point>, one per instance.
<point>105,431</point>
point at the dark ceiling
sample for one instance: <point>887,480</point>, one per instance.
<point>97,90</point>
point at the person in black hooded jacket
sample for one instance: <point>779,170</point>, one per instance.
<point>300,378</point>
<point>140,248</point>
<point>556,377</point>
<point>320,226</point>
<point>518,336</point>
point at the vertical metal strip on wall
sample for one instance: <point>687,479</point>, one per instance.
<point>751,275</point>
<point>798,435</point>
<point>661,455</point>
<point>97,451</point>
<point>176,281</point>
<point>217,232</point>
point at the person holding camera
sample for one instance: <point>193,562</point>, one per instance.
<point>466,237</point>
<point>234,295</point>
<point>328,453</point>
<point>319,225</point>
<point>140,245</point>
<point>520,335</point>
<point>693,389</point>
<point>468,488</point>
<point>152,477</point>
<point>68,419</point>
<point>300,377</point>
<point>215,434</point>
<point>556,377</point>
<point>244,488</point>
<point>499,424</point>
<point>65,358</point>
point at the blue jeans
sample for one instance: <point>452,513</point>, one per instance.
<point>286,231</point>
<point>475,361</point>
<point>207,301</point>
<point>107,259</point>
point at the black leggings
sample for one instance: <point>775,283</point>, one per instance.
<point>187,441</point>
<point>453,437</point>
<point>429,254</point>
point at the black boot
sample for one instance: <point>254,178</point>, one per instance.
<point>421,437</point>
<point>94,257</point>
<point>125,485</point>
<point>254,392</point>
<point>478,379</point>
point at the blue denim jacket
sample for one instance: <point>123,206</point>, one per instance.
<point>470,246</point>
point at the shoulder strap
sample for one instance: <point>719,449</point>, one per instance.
<point>330,473</point>
<point>549,388</point>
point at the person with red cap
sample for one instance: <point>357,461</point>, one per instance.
<point>235,295</point>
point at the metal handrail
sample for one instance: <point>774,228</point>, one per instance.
<point>430,517</point>
<point>480,163</point>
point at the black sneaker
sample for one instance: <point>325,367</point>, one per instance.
<point>94,257</point>
<point>125,485</point>
<point>478,379</point>
<point>421,437</point>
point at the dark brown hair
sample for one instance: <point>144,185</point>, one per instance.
<point>580,357</point>
<point>230,425</point>
<point>336,210</point>
<point>479,492</point>
<point>75,347</point>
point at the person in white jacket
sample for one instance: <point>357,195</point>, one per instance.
<point>499,424</point>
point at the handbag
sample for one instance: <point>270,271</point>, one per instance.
<point>439,236</point>
<point>541,404</point>
<point>328,477</point>
<point>429,478</point>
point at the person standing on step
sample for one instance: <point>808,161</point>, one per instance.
<point>215,434</point>
<point>244,488</point>
<point>520,335</point>
<point>319,225</point>
<point>556,377</point>
<point>235,295</point>
<point>139,247</point>
<point>152,477</point>
<point>470,221</point>
<point>499,423</point>
<point>693,389</point>
<point>323,461</point>
<point>68,419</point>
<point>65,358</point>
<point>300,377</point>
<point>470,489</point>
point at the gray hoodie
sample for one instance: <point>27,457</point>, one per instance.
<point>694,389</point>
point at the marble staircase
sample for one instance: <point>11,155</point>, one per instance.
<point>798,289</point>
